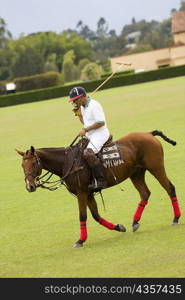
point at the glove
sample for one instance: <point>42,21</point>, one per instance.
<point>77,112</point>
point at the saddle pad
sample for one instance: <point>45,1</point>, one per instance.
<point>110,156</point>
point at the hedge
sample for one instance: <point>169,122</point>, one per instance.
<point>38,81</point>
<point>61,91</point>
<point>2,87</point>
<point>106,75</point>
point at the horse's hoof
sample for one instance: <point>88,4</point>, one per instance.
<point>120,228</point>
<point>175,221</point>
<point>135,226</point>
<point>78,244</point>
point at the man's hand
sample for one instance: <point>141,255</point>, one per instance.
<point>92,127</point>
<point>77,111</point>
<point>82,132</point>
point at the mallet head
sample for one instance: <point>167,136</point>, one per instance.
<point>123,63</point>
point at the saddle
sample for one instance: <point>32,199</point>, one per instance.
<point>109,154</point>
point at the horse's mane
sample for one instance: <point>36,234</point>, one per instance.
<point>52,149</point>
<point>80,144</point>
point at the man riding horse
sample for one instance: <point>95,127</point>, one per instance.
<point>91,115</point>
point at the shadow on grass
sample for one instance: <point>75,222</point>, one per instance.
<point>131,237</point>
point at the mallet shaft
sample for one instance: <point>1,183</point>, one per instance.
<point>108,78</point>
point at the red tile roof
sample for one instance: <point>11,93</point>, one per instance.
<point>178,21</point>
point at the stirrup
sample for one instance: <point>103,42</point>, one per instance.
<point>97,186</point>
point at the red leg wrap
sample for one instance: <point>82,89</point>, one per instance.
<point>106,223</point>
<point>139,211</point>
<point>176,208</point>
<point>83,231</point>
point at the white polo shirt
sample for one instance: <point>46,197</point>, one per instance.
<point>92,113</point>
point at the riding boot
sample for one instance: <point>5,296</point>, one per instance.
<point>97,171</point>
<point>99,179</point>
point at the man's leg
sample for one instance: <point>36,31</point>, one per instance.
<point>97,169</point>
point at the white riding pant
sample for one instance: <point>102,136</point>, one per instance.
<point>97,140</point>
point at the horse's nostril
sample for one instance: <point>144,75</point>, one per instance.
<point>31,188</point>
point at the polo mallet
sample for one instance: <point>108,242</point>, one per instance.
<point>108,78</point>
<point>120,63</point>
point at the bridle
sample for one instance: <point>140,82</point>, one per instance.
<point>44,180</point>
<point>32,174</point>
<point>38,179</point>
<point>39,182</point>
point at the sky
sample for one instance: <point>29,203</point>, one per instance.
<point>30,16</point>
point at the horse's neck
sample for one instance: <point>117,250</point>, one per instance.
<point>52,159</point>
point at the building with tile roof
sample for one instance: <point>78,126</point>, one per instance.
<point>151,60</point>
<point>178,27</point>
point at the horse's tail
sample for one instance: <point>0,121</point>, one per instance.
<point>160,133</point>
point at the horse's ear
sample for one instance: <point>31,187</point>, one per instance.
<point>19,152</point>
<point>32,150</point>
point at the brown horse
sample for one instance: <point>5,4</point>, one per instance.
<point>140,152</point>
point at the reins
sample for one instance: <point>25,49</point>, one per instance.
<point>41,183</point>
<point>74,140</point>
<point>54,185</point>
<point>45,183</point>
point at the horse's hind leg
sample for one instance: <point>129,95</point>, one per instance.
<point>138,180</point>
<point>161,176</point>
<point>95,214</point>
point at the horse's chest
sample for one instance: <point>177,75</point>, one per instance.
<point>77,181</point>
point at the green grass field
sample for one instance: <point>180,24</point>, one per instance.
<point>38,229</point>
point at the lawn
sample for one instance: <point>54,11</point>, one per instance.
<point>38,229</point>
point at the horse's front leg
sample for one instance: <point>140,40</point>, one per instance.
<point>94,211</point>
<point>82,204</point>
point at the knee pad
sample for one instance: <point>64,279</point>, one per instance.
<point>88,152</point>
<point>90,157</point>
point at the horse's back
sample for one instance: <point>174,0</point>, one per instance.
<point>144,147</point>
<point>139,139</point>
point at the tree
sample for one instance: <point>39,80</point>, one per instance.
<point>102,28</point>
<point>70,71</point>
<point>91,71</point>
<point>28,62</point>
<point>143,26</point>
<point>5,34</point>
<point>112,33</point>
<point>50,64</point>
<point>82,63</point>
<point>182,7</point>
<point>160,37</point>
<point>81,47</point>
<point>165,29</point>
<point>85,32</point>
<point>47,50</point>
<point>6,61</point>
<point>6,55</point>
<point>140,48</point>
<point>173,10</point>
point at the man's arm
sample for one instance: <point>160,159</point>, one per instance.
<point>81,118</point>
<point>92,127</point>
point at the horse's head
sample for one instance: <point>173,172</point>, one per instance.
<point>32,168</point>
